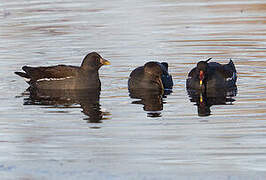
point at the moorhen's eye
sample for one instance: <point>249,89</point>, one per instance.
<point>96,60</point>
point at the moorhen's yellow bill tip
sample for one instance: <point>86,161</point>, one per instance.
<point>105,62</point>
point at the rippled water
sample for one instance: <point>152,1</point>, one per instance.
<point>55,141</point>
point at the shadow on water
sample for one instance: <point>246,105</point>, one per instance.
<point>87,99</point>
<point>205,100</point>
<point>152,100</point>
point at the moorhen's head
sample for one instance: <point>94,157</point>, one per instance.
<point>154,71</point>
<point>93,61</point>
<point>202,68</point>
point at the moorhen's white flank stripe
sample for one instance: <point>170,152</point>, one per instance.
<point>53,79</point>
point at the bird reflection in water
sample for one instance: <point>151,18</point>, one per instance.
<point>152,100</point>
<point>88,100</point>
<point>205,100</point>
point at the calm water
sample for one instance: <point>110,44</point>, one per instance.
<point>118,137</point>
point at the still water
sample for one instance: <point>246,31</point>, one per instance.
<point>108,135</point>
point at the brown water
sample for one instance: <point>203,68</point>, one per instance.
<point>60,142</point>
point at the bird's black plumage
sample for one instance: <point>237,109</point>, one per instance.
<point>66,77</point>
<point>210,76</point>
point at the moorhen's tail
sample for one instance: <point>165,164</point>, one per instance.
<point>22,74</point>
<point>165,65</point>
<point>230,66</point>
<point>166,77</point>
<point>230,75</point>
<point>230,70</point>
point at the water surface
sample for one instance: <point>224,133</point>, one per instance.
<point>56,141</point>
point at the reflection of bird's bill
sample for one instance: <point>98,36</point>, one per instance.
<point>201,98</point>
<point>104,61</point>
